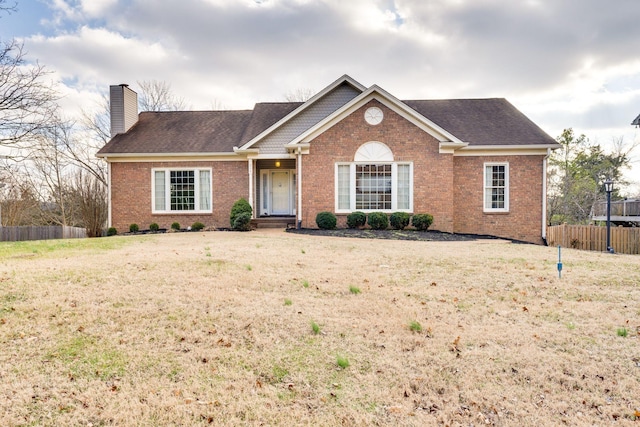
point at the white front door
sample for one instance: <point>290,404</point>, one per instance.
<point>280,193</point>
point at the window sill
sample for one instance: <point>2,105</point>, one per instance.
<point>181,212</point>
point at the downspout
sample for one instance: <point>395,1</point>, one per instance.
<point>109,219</point>
<point>299,180</point>
<point>544,196</point>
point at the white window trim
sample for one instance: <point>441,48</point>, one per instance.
<point>506,187</point>
<point>167,178</point>
<point>352,187</point>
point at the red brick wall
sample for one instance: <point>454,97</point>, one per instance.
<point>524,219</point>
<point>432,172</point>
<point>131,194</point>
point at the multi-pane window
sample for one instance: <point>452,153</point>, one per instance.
<point>373,187</point>
<point>183,197</point>
<point>187,190</point>
<point>496,187</point>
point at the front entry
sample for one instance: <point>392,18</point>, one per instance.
<point>277,192</point>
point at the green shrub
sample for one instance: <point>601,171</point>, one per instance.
<point>154,226</point>
<point>175,226</point>
<point>112,231</point>
<point>356,219</point>
<point>326,220</point>
<point>399,220</point>
<point>242,222</point>
<point>197,226</point>
<point>422,221</point>
<point>378,220</point>
<point>239,207</point>
<point>133,228</point>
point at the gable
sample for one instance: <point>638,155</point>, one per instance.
<point>374,93</point>
<point>275,141</point>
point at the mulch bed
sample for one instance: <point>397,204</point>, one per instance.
<point>436,236</point>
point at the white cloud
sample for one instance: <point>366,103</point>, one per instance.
<point>564,66</point>
<point>94,8</point>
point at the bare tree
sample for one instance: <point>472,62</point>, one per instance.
<point>299,95</point>
<point>91,199</point>
<point>48,170</point>
<point>27,102</point>
<point>7,7</point>
<point>157,96</point>
<point>19,206</point>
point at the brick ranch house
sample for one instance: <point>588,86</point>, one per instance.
<point>477,165</point>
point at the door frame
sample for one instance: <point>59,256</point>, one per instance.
<point>266,193</point>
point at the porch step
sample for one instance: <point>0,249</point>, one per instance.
<point>273,222</point>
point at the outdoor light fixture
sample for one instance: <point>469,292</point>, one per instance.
<point>608,188</point>
<point>278,164</point>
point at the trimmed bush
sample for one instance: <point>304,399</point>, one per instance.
<point>399,220</point>
<point>240,206</point>
<point>133,228</point>
<point>356,219</point>
<point>326,220</point>
<point>378,221</point>
<point>242,222</point>
<point>197,226</point>
<point>154,227</point>
<point>112,231</point>
<point>175,226</point>
<point>422,221</point>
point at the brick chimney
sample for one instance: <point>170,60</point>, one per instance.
<point>123,106</point>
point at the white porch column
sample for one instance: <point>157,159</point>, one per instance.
<point>251,195</point>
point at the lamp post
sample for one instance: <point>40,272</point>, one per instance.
<point>608,188</point>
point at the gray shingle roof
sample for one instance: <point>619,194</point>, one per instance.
<point>492,121</point>
<point>476,121</point>
<point>181,132</point>
<point>636,122</point>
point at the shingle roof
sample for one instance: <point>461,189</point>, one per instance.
<point>636,122</point>
<point>492,121</point>
<point>476,121</point>
<point>181,132</point>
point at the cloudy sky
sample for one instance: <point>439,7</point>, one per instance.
<point>564,63</point>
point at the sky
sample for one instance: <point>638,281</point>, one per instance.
<point>563,63</point>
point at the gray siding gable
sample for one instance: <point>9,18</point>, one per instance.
<point>275,142</point>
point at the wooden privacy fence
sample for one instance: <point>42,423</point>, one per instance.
<point>16,234</point>
<point>624,240</point>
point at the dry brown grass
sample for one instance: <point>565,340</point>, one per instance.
<point>216,328</point>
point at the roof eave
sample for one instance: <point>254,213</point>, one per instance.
<point>174,156</point>
<point>497,147</point>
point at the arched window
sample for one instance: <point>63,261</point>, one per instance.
<point>374,181</point>
<point>373,152</point>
